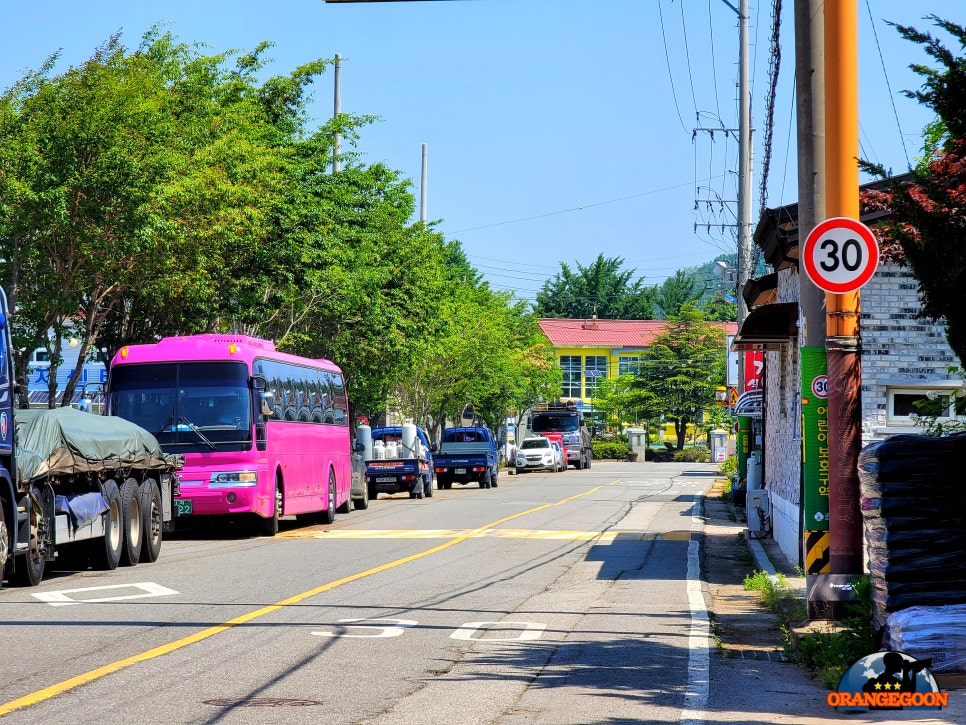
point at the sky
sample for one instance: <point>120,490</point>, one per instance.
<point>556,130</point>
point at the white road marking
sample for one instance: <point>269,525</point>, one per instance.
<point>527,631</point>
<point>699,635</point>
<point>62,597</point>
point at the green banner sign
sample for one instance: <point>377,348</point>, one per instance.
<point>815,443</point>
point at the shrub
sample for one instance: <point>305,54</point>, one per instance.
<point>692,455</point>
<point>609,449</point>
<point>728,467</point>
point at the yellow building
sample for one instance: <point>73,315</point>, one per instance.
<point>591,350</point>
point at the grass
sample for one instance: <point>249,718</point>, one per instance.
<point>771,589</point>
<point>830,653</point>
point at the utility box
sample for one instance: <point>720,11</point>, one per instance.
<point>759,513</point>
<point>718,445</point>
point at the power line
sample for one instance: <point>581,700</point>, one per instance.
<point>667,56</point>
<point>885,73</point>
<point>567,211</point>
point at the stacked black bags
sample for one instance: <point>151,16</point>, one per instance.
<point>913,501</point>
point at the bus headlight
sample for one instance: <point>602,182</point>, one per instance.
<point>233,479</point>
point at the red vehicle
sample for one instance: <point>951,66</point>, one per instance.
<point>564,422</point>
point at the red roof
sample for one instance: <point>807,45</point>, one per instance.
<point>633,334</point>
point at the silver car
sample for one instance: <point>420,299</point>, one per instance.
<point>559,456</point>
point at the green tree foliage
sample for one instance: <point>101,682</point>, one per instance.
<point>675,292</point>
<point>602,289</point>
<point>681,369</point>
<point>168,191</point>
<point>928,221</point>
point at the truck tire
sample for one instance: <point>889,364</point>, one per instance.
<point>590,457</point>
<point>106,552</point>
<point>428,486</point>
<point>152,512</point>
<point>4,542</point>
<point>328,516</point>
<point>132,521</point>
<point>494,477</point>
<point>30,566</point>
<point>269,526</point>
<point>580,463</point>
<point>485,481</point>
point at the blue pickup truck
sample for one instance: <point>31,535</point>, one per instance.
<point>467,454</point>
<point>402,460</point>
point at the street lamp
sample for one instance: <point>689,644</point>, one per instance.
<point>729,277</point>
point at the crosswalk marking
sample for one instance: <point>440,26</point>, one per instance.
<point>605,536</point>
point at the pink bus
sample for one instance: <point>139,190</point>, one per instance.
<point>263,433</point>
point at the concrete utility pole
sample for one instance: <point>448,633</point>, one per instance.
<point>336,110</point>
<point>744,163</point>
<point>842,310</point>
<point>422,185</point>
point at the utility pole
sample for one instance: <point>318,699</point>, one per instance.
<point>336,110</point>
<point>422,185</point>
<point>744,164</point>
<point>842,310</point>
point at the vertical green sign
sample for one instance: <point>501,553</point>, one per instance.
<point>815,443</point>
<point>744,445</point>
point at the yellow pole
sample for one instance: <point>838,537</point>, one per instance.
<point>842,310</point>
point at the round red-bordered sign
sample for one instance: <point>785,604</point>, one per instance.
<point>820,386</point>
<point>840,255</point>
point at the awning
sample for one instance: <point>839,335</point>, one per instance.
<point>768,327</point>
<point>761,290</point>
<point>749,404</point>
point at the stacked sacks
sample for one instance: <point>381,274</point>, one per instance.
<point>912,499</point>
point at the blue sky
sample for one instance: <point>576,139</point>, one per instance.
<point>556,129</point>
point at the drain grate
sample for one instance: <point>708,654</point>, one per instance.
<point>260,702</point>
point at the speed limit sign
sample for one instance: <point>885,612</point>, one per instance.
<point>840,255</point>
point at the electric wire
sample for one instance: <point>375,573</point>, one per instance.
<point>687,58</point>
<point>667,56</point>
<point>885,73</point>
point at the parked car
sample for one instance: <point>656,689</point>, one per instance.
<point>536,454</point>
<point>360,491</point>
<point>559,456</point>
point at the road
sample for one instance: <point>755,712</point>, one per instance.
<point>555,598</point>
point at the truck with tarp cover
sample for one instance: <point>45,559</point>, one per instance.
<point>97,484</point>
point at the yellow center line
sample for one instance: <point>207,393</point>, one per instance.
<point>87,677</point>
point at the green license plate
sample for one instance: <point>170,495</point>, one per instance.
<point>183,505</point>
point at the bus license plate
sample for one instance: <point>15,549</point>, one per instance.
<point>386,479</point>
<point>183,505</point>
<point>460,470</point>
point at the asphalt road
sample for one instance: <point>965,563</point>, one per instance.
<point>556,598</point>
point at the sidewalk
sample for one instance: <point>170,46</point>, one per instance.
<point>750,642</point>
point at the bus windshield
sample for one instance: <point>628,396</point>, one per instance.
<point>543,422</point>
<point>188,406</point>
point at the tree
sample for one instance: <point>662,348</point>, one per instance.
<point>602,290</point>
<point>681,369</point>
<point>677,291</point>
<point>928,213</point>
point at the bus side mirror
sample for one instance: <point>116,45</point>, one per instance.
<point>267,403</point>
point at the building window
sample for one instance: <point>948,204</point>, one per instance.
<point>903,404</point>
<point>595,370</point>
<point>572,377</point>
<point>628,365</point>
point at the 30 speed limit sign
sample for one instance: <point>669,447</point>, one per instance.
<point>840,255</point>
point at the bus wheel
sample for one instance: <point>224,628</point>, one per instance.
<point>152,514</point>
<point>328,516</point>
<point>269,526</point>
<point>131,522</point>
<point>106,552</point>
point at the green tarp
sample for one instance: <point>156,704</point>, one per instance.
<point>66,441</point>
